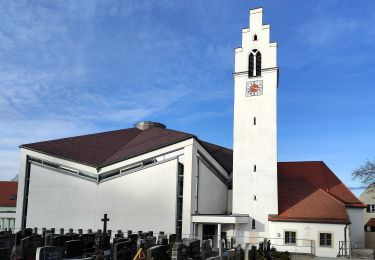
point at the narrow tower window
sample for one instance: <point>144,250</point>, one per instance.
<point>255,120</point>
<point>255,197</point>
<point>255,168</point>
<point>253,224</point>
<point>255,62</point>
<point>251,65</point>
<point>258,63</point>
<point>255,37</point>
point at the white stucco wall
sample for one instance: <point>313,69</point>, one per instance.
<point>144,200</point>
<point>305,233</point>
<point>212,193</point>
<point>59,200</point>
<point>255,144</point>
<point>356,229</point>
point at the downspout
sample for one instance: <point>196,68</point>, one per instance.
<point>345,230</point>
<point>197,187</point>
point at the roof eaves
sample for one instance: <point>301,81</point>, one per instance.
<point>200,142</point>
<point>105,164</point>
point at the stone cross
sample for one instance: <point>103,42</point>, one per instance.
<point>105,220</point>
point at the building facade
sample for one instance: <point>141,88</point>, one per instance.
<point>152,178</point>
<point>8,201</point>
<point>368,197</point>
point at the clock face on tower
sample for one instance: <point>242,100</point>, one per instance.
<point>254,88</point>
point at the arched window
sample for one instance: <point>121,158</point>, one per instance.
<point>255,62</point>
<point>255,38</point>
<point>258,63</point>
<point>251,65</point>
<point>253,224</point>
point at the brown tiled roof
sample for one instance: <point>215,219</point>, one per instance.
<point>371,222</point>
<point>318,174</point>
<point>103,149</point>
<point>8,189</point>
<point>311,192</point>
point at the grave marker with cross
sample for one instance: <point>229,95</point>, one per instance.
<point>105,220</point>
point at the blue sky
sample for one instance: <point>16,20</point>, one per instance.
<point>77,67</point>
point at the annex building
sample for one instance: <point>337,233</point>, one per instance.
<point>150,177</point>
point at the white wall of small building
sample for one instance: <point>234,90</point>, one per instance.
<point>7,218</point>
<point>356,228</point>
<point>305,233</point>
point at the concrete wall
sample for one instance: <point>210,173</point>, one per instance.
<point>212,192</point>
<point>59,200</point>
<point>305,233</point>
<point>356,230</point>
<point>143,200</point>
<point>255,144</point>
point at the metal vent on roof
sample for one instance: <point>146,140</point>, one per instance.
<point>148,124</point>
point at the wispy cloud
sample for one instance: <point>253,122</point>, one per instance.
<point>73,67</point>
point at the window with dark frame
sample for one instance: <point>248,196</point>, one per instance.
<point>255,168</point>
<point>253,224</point>
<point>371,208</point>
<point>290,237</point>
<point>255,38</point>
<point>255,61</point>
<point>325,239</point>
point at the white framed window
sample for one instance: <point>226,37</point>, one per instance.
<point>290,237</point>
<point>325,239</point>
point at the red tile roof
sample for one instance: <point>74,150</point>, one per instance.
<point>371,222</point>
<point>8,189</point>
<point>103,149</point>
<point>311,192</point>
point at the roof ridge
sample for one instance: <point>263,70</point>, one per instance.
<point>97,166</point>
<point>77,136</point>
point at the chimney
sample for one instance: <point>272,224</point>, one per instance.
<point>144,125</point>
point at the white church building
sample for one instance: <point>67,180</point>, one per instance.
<point>150,177</point>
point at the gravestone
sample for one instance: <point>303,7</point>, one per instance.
<point>206,249</point>
<point>88,242</point>
<point>193,248</point>
<point>6,244</point>
<point>159,252</point>
<point>150,242</point>
<point>105,219</point>
<point>172,240</point>
<point>5,252</point>
<point>239,253</point>
<point>49,253</point>
<point>229,254</point>
<point>59,240</point>
<point>29,245</point>
<point>48,239</point>
<point>123,251</point>
<point>179,251</point>
<point>134,238</point>
<point>162,240</point>
<point>73,248</point>
<point>22,234</point>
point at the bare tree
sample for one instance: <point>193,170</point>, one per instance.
<point>365,173</point>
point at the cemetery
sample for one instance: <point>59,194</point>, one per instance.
<point>51,244</point>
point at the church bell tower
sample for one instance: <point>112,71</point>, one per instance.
<point>255,128</point>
